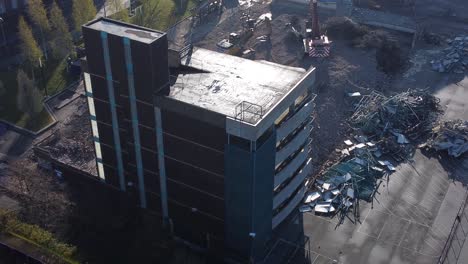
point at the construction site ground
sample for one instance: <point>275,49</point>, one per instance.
<point>414,210</point>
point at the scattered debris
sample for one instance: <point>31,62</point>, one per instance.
<point>340,187</point>
<point>354,94</point>
<point>454,58</point>
<point>395,121</point>
<point>387,129</point>
<point>451,136</point>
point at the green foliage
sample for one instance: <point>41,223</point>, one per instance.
<point>82,12</point>
<point>38,14</point>
<point>61,38</point>
<point>161,14</point>
<point>120,12</point>
<point>29,98</point>
<point>29,47</point>
<point>10,224</point>
<point>149,13</point>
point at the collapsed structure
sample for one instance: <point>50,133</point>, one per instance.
<point>217,145</point>
<point>452,136</point>
<point>387,129</point>
<point>454,58</point>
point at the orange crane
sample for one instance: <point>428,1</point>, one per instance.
<point>315,44</point>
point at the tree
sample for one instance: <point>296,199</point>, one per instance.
<point>83,11</point>
<point>38,14</point>
<point>62,42</point>
<point>29,47</point>
<point>148,14</point>
<point>119,10</point>
<point>29,99</point>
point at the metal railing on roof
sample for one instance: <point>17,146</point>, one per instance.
<point>248,112</point>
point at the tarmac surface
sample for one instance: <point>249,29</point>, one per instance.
<point>411,216</point>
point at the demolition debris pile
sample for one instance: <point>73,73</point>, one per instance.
<point>454,58</point>
<point>344,184</point>
<point>451,136</point>
<point>387,129</point>
<point>394,121</point>
<point>72,143</point>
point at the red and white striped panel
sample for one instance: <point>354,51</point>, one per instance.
<point>319,52</point>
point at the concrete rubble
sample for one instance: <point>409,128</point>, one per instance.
<point>340,187</point>
<point>454,58</point>
<point>396,121</point>
<point>451,136</point>
<point>386,132</point>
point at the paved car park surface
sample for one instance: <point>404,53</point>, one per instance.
<point>409,220</point>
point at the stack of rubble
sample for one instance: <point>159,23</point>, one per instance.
<point>385,127</point>
<point>451,136</point>
<point>454,58</point>
<point>393,121</point>
<point>340,187</point>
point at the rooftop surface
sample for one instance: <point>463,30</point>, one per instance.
<point>125,30</point>
<point>220,82</point>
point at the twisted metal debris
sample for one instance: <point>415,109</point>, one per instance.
<point>411,113</point>
<point>386,129</point>
<point>451,136</point>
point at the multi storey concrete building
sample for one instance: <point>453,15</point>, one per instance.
<point>215,144</point>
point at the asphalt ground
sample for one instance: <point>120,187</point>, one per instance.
<point>410,219</point>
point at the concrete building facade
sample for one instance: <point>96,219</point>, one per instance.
<point>215,144</point>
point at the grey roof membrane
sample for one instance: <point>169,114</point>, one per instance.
<point>123,30</point>
<point>222,82</point>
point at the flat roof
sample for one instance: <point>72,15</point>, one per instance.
<point>125,30</point>
<point>219,82</point>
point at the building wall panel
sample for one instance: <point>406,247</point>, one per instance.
<point>195,199</point>
<point>195,177</point>
<point>194,226</point>
<point>194,154</point>
<point>94,52</point>
<point>194,130</point>
<point>99,87</point>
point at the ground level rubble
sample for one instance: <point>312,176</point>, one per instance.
<point>387,131</point>
<point>451,136</point>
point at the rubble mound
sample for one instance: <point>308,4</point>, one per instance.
<point>389,56</point>
<point>454,58</point>
<point>395,121</point>
<point>386,130</point>
<point>372,40</point>
<point>72,142</point>
<point>344,28</point>
<point>451,136</point>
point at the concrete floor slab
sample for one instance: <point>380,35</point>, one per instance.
<point>372,226</point>
<point>414,238</point>
<point>394,229</point>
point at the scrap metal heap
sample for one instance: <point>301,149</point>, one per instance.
<point>411,114</point>
<point>451,136</point>
<point>315,44</point>
<point>386,129</point>
<point>454,58</point>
